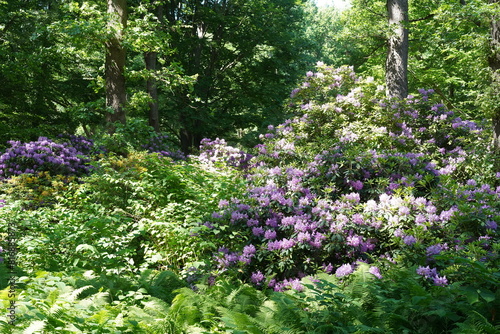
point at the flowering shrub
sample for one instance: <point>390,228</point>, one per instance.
<point>338,108</point>
<point>43,155</point>
<point>82,144</point>
<point>215,151</point>
<point>356,178</point>
<point>160,143</point>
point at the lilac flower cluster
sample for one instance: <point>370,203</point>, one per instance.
<point>161,143</point>
<point>432,274</point>
<point>217,150</point>
<point>42,155</point>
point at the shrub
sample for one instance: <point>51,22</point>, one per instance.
<point>168,198</point>
<point>82,144</point>
<point>137,135</point>
<point>352,178</point>
<point>43,155</point>
<point>36,190</point>
<point>336,108</point>
<point>162,144</point>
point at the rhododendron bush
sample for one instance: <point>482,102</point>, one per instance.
<point>43,155</point>
<point>354,178</point>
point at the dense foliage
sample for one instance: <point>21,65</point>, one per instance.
<point>239,196</point>
<point>359,214</point>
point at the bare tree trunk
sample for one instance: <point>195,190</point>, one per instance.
<point>115,64</point>
<point>396,76</point>
<point>150,59</point>
<point>494,62</point>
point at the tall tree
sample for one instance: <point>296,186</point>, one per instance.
<point>396,65</point>
<point>42,75</point>
<point>246,56</point>
<point>116,96</point>
<point>151,59</point>
<point>151,62</point>
<point>494,61</point>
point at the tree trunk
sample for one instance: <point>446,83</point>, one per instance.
<point>396,75</point>
<point>494,62</point>
<point>150,59</point>
<point>115,64</point>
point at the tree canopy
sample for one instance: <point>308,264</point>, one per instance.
<point>196,69</point>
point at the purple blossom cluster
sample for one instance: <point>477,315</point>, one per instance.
<point>217,150</point>
<point>432,274</point>
<point>161,143</point>
<point>82,144</point>
<point>42,155</point>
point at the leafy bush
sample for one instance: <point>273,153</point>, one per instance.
<point>36,190</point>
<point>169,199</point>
<point>137,135</point>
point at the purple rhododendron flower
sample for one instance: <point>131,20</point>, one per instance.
<point>409,240</point>
<point>296,285</point>
<point>375,271</point>
<point>270,234</point>
<point>223,203</point>
<point>257,231</point>
<point>427,272</point>
<point>354,197</point>
<point>357,185</point>
<point>436,249</point>
<point>440,281</point>
<point>492,225</point>
<point>287,243</point>
<point>398,233</point>
<point>303,237</point>
<point>249,250</point>
<point>344,270</point>
<point>257,277</point>
<point>328,268</point>
<point>354,240</point>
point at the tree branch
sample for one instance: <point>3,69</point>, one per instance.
<point>423,18</point>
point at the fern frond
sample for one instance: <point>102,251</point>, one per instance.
<point>35,327</point>
<point>238,321</point>
<point>76,293</point>
<point>482,324</point>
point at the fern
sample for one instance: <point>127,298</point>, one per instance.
<point>184,309</point>
<point>238,321</point>
<point>477,323</point>
<point>35,327</point>
<point>78,292</point>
